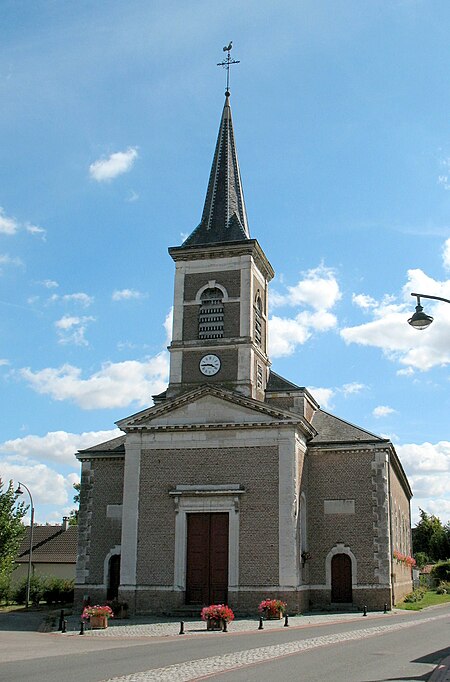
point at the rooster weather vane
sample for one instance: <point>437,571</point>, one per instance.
<point>226,63</point>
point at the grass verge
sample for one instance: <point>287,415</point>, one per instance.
<point>430,598</point>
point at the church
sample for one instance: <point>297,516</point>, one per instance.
<point>234,486</point>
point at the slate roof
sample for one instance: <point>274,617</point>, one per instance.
<point>114,445</point>
<point>224,217</point>
<point>51,544</point>
<point>278,383</point>
<point>331,429</point>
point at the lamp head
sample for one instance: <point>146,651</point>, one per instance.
<point>420,320</point>
<point>19,490</point>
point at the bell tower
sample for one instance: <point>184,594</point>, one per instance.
<point>221,288</point>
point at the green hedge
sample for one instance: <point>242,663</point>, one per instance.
<point>44,588</point>
<point>441,572</point>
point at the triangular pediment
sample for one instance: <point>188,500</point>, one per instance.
<point>209,406</point>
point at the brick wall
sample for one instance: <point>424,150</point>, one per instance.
<point>230,279</point>
<point>334,476</point>
<point>254,468</point>
<point>105,488</point>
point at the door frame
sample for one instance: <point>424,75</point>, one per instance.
<point>191,499</point>
<point>340,548</point>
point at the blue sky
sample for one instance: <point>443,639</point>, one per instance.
<point>109,117</point>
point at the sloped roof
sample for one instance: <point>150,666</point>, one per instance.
<point>331,429</point>
<point>279,383</point>
<point>51,544</point>
<point>115,445</point>
<point>224,217</point>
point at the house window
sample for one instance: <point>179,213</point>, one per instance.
<point>258,320</point>
<point>210,318</point>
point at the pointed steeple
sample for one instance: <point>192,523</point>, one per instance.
<point>224,217</point>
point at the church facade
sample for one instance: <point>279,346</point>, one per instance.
<point>235,486</point>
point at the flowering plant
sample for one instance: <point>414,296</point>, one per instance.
<point>217,612</point>
<point>271,607</point>
<point>404,559</point>
<point>97,610</point>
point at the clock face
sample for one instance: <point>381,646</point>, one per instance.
<point>209,365</point>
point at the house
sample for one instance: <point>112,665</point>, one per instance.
<point>54,552</point>
<point>235,485</point>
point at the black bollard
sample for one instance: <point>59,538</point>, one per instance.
<point>181,628</point>
<point>82,627</point>
<point>61,618</point>
<point>224,629</point>
<point>364,610</point>
<point>64,626</point>
<point>261,625</point>
<point>286,621</point>
<point>385,608</point>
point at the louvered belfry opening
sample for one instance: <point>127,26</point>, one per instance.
<point>210,318</point>
<point>258,321</point>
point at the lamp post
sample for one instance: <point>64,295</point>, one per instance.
<point>19,491</point>
<point>421,320</point>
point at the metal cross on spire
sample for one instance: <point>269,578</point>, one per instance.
<point>227,63</point>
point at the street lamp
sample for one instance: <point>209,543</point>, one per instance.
<point>421,320</point>
<point>19,491</point>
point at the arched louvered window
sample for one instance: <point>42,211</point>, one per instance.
<point>210,317</point>
<point>258,320</point>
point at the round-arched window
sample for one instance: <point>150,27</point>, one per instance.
<point>210,317</point>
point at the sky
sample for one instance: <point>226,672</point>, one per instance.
<point>109,117</point>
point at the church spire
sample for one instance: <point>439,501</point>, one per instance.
<point>224,217</point>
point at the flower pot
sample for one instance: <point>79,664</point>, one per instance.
<point>214,624</point>
<point>275,615</point>
<point>98,622</point>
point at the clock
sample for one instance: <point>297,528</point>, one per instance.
<point>209,365</point>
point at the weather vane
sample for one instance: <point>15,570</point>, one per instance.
<point>227,63</point>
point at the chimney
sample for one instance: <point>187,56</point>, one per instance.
<point>65,522</point>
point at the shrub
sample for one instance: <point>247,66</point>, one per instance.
<point>441,572</point>
<point>57,590</point>
<point>36,590</point>
<point>5,587</point>
<point>415,595</point>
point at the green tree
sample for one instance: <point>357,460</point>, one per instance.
<point>73,518</point>
<point>11,532</point>
<point>431,537</point>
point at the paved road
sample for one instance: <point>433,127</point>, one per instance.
<point>401,647</point>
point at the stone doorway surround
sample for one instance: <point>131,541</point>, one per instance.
<point>190,499</point>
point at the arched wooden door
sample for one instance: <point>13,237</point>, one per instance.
<point>113,577</point>
<point>341,579</point>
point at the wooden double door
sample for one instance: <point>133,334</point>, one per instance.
<point>207,558</point>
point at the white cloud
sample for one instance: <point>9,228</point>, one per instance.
<point>286,333</point>
<point>319,289</point>
<point>34,229</point>
<point>79,297</point>
<point>72,329</point>
<point>383,411</point>
<point>168,324</point>
<point>132,197</point>
<point>115,385</point>
<point>49,284</point>
<point>446,254</point>
<point>127,294</point>
<point>363,301</point>
<point>116,164</point>
<point>389,331</point>
<point>4,362</point>
<point>427,466</point>
<point>324,396</point>
<point>8,225</point>
<point>6,259</point>
<point>55,446</point>
<point>46,484</point>
<point>353,388</point>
